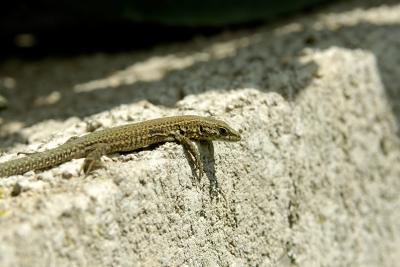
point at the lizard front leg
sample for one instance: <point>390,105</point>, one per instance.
<point>193,151</point>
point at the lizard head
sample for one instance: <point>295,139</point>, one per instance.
<point>213,129</point>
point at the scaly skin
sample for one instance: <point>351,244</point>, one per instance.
<point>181,129</point>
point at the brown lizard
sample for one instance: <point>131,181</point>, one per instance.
<point>181,129</point>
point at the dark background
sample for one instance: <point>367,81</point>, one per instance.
<point>35,29</point>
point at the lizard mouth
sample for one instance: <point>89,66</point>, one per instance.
<point>234,138</point>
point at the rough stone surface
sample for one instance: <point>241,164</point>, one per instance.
<point>315,180</point>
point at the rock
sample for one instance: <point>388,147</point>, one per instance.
<point>314,181</point>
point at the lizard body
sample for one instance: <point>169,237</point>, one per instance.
<point>129,137</point>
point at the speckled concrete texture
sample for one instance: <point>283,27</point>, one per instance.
<point>313,182</point>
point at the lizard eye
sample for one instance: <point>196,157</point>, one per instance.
<point>223,131</point>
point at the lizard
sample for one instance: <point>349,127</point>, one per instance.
<point>129,137</point>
